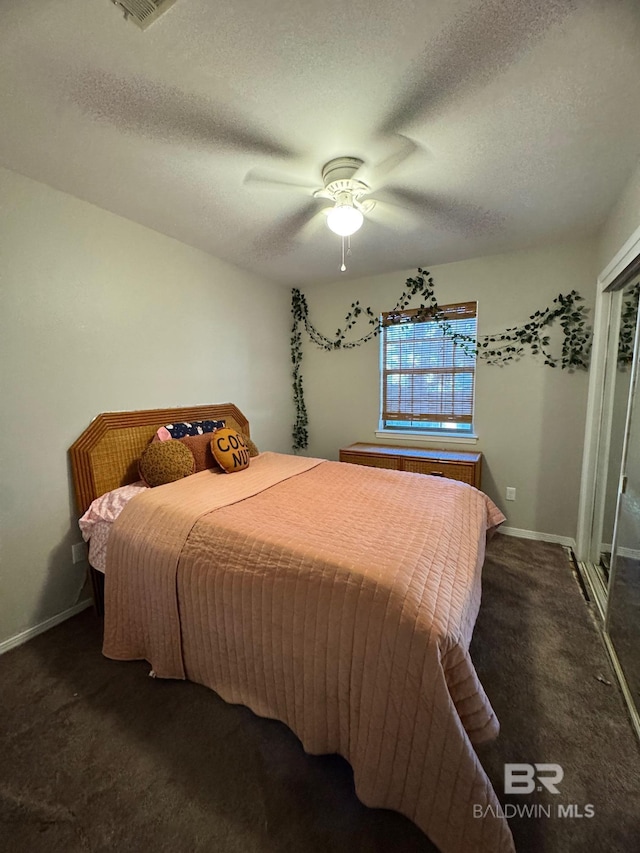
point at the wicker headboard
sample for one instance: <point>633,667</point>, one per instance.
<point>106,455</point>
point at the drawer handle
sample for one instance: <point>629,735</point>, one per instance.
<point>437,473</point>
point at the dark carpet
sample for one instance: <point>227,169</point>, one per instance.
<point>96,756</point>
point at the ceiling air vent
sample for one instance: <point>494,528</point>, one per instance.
<point>143,12</point>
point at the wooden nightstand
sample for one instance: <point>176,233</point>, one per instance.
<point>466,467</point>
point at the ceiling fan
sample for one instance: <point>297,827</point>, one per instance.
<point>345,195</point>
<point>470,52</point>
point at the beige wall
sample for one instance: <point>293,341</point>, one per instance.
<point>96,314</point>
<point>530,418</point>
<point>623,220</point>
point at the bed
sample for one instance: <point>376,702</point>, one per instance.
<point>335,598</point>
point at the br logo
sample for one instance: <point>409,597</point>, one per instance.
<point>526,778</point>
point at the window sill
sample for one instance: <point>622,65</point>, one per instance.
<point>427,436</point>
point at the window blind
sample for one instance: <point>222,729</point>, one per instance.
<point>426,375</point>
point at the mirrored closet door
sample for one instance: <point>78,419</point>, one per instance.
<point>612,569</point>
<point>616,397</point>
<point>622,624</point>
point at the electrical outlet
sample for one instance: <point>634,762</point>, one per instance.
<point>511,493</point>
<point>79,552</point>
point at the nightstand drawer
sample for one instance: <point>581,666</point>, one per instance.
<point>465,467</point>
<point>464,473</point>
<point>371,462</point>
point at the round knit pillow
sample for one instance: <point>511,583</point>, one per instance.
<point>166,461</point>
<point>253,450</point>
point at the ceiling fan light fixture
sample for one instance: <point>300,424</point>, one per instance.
<point>344,219</point>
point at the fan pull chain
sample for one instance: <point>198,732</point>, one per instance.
<point>343,268</point>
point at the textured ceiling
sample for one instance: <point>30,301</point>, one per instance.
<point>523,115</point>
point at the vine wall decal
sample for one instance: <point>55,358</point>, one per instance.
<point>498,349</point>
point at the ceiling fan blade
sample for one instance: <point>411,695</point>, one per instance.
<point>448,213</point>
<point>477,45</point>
<point>281,236</point>
<point>263,179</point>
<point>375,176</point>
<point>315,225</point>
<point>163,112</point>
<point>393,215</point>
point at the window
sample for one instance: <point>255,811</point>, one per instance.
<point>428,376</point>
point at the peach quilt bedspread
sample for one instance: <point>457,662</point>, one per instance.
<point>336,598</point>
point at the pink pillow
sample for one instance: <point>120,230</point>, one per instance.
<point>109,506</point>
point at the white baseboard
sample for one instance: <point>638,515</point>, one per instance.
<point>23,636</point>
<point>539,537</point>
<point>633,553</point>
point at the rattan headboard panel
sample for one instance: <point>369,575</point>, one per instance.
<point>106,455</point>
